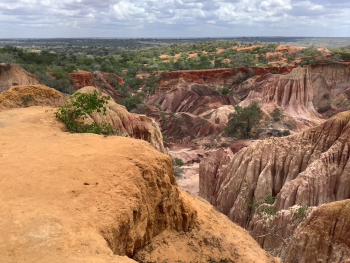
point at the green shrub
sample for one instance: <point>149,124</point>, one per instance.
<point>80,106</point>
<point>270,200</point>
<point>268,210</point>
<point>178,169</point>
<point>277,115</point>
<point>179,162</point>
<point>244,121</point>
<point>302,212</point>
<point>133,101</point>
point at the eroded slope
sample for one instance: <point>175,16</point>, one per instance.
<point>269,186</point>
<point>87,198</point>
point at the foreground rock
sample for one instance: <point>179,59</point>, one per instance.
<point>270,186</point>
<point>323,237</point>
<point>14,75</point>
<point>31,95</point>
<point>126,123</point>
<point>88,198</point>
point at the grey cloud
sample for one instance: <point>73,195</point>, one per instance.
<point>174,18</point>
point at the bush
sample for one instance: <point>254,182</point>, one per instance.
<point>80,106</point>
<point>302,212</point>
<point>277,115</point>
<point>132,102</point>
<point>270,200</point>
<point>244,121</point>
<point>178,169</point>
<point>179,162</point>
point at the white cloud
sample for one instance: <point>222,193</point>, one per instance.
<point>125,10</point>
<point>177,16</point>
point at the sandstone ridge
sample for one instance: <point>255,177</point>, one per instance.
<point>89,198</point>
<point>126,123</point>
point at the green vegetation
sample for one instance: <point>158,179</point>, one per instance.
<point>310,56</point>
<point>268,210</point>
<point>53,61</point>
<point>244,121</point>
<point>178,169</point>
<point>342,54</point>
<point>179,162</point>
<point>277,115</point>
<point>302,212</point>
<point>270,200</point>
<point>266,207</point>
<point>80,106</point>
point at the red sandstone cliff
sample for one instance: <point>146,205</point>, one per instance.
<point>106,82</point>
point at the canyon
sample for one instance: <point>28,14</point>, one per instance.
<point>171,185</point>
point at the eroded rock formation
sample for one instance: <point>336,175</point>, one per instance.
<point>87,198</point>
<point>105,82</point>
<point>323,237</point>
<point>32,95</point>
<point>272,182</point>
<point>306,94</point>
<point>200,100</point>
<point>14,75</point>
<point>126,123</point>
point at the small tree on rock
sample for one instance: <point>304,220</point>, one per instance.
<point>244,121</point>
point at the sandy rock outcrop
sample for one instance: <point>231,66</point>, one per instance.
<point>89,198</point>
<point>14,75</point>
<point>105,82</point>
<point>263,181</point>
<point>31,95</point>
<point>126,123</point>
<point>323,237</point>
<point>213,239</point>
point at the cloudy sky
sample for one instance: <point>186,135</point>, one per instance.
<point>173,18</point>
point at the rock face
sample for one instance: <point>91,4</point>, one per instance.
<point>293,92</point>
<point>105,82</point>
<point>14,75</point>
<point>274,182</point>
<point>194,99</point>
<point>305,94</point>
<point>323,237</point>
<point>32,95</point>
<point>126,123</point>
<point>89,198</point>
<point>198,100</point>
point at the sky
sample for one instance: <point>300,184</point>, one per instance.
<point>173,18</point>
